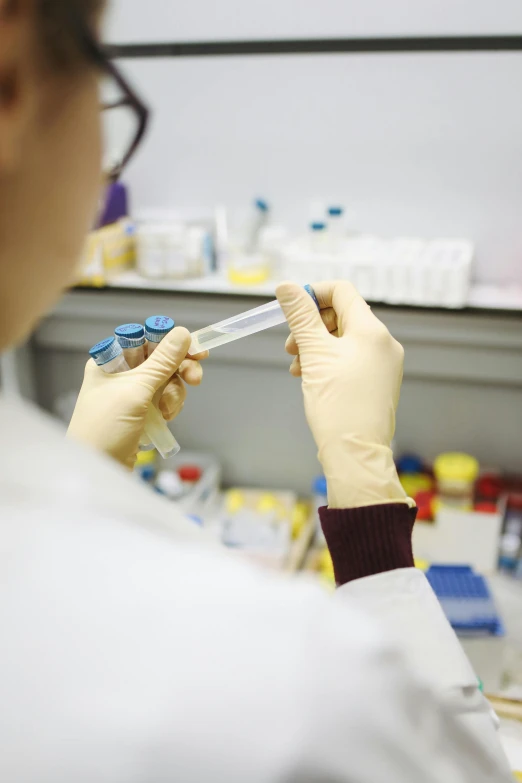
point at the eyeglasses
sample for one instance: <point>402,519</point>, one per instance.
<point>124,116</point>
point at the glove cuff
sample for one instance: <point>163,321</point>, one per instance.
<point>369,540</point>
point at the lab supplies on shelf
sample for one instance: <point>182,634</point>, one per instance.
<point>406,271</point>
<point>173,249</point>
<point>108,252</point>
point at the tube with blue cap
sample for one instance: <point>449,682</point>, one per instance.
<point>156,328</point>
<point>131,337</point>
<point>242,325</point>
<point>108,355</point>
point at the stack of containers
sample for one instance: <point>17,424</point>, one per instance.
<point>401,271</point>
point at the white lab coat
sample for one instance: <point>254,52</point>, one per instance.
<point>132,650</point>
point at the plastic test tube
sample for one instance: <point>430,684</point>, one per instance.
<point>108,355</point>
<point>242,325</point>
<point>131,337</point>
<point>156,328</point>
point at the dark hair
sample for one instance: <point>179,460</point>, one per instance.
<point>57,34</point>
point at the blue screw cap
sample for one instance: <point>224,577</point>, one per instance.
<point>105,351</point>
<point>157,326</point>
<point>130,335</point>
<point>132,331</point>
<point>309,290</point>
<point>335,211</point>
<point>319,486</point>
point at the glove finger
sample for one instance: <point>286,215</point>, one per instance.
<point>166,358</point>
<point>173,398</point>
<point>353,314</point>
<point>191,371</point>
<point>330,321</point>
<point>301,313</point>
<point>295,367</point>
<point>199,357</point>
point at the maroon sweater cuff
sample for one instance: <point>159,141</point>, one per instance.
<point>369,540</point>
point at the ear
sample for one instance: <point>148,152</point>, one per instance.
<point>17,77</point>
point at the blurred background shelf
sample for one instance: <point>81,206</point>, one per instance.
<point>482,296</point>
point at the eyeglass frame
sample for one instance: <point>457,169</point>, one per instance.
<point>100,57</point>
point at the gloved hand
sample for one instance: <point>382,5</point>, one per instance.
<point>110,410</point>
<point>351,370</point>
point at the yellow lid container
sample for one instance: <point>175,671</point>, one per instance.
<point>235,500</point>
<point>455,466</point>
<point>146,457</point>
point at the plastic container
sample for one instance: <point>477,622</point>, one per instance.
<point>336,227</point>
<point>151,252</point>
<point>199,251</point>
<point>131,337</point>
<point>242,325</point>
<point>156,328</point>
<point>256,222</point>
<point>247,264</point>
<point>201,496</point>
<point>456,474</point>
<point>108,355</point>
<point>466,599</point>
<point>175,248</point>
<point>190,474</point>
<point>169,484</point>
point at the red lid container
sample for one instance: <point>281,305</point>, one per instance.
<point>190,473</point>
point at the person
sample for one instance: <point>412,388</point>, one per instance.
<point>133,648</point>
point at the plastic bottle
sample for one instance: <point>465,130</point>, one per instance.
<point>510,549</point>
<point>322,262</point>
<point>336,227</point>
<point>257,220</point>
<point>108,355</point>
<point>456,474</point>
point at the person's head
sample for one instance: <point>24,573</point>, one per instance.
<point>50,151</point>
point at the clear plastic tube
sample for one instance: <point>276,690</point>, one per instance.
<point>131,337</point>
<point>242,325</point>
<point>109,356</point>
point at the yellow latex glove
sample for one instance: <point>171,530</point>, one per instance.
<point>110,411</point>
<point>351,370</point>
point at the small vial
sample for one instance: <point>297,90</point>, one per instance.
<point>108,355</point>
<point>336,227</point>
<point>131,337</point>
<point>318,236</point>
<point>258,220</point>
<point>156,328</point>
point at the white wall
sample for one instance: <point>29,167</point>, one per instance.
<point>198,20</point>
<point>426,144</point>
